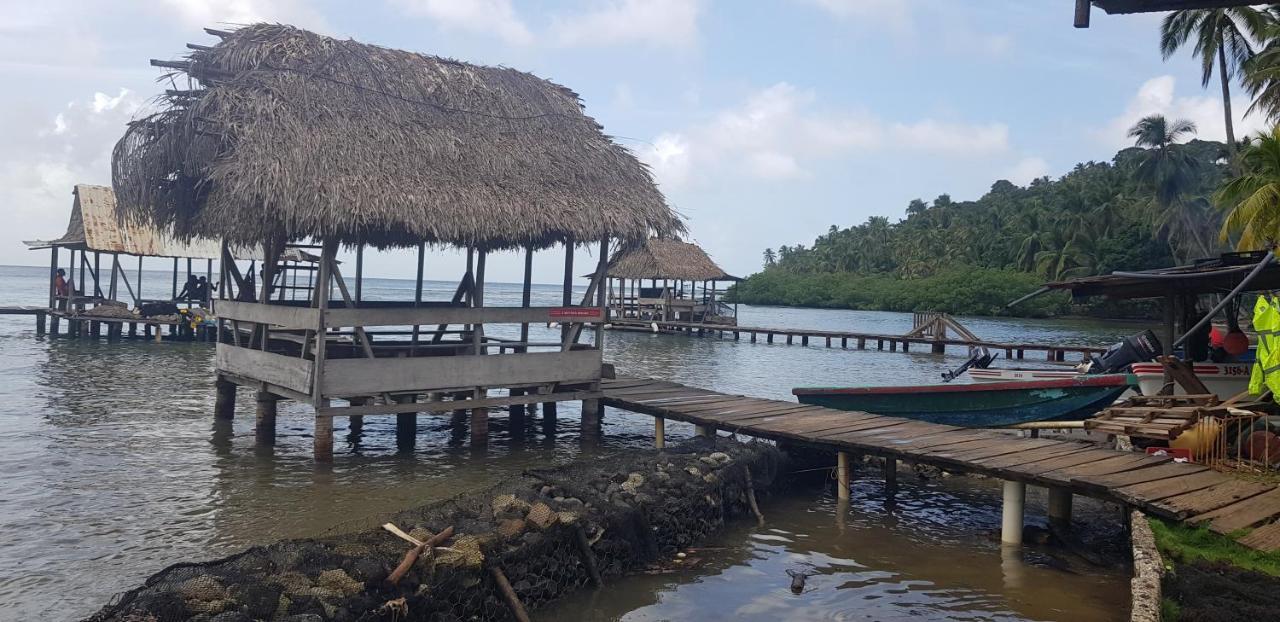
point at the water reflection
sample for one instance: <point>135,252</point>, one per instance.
<point>115,468</point>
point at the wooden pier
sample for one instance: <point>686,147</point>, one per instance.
<point>1155,485</point>
<point>861,341</point>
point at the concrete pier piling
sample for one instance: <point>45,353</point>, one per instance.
<point>1011,515</point>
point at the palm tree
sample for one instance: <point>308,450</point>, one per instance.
<point>1170,174</point>
<point>1253,198</point>
<point>769,257</point>
<point>1221,38</point>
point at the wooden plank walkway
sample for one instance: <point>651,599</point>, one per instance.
<point>1178,491</point>
<point>860,341</point>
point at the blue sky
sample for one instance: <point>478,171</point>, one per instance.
<point>764,122</point>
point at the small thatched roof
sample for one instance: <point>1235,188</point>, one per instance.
<point>658,258</point>
<point>287,133</point>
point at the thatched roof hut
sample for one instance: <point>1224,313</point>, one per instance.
<point>664,258</point>
<point>287,134</point>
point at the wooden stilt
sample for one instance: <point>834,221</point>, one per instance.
<point>406,426</point>
<point>479,427</point>
<point>842,475</point>
<point>659,433</point>
<point>591,416</point>
<point>224,403</point>
<point>264,429</point>
<point>323,445</point>
<point>1060,507</point>
<point>890,477</point>
<point>549,418</point>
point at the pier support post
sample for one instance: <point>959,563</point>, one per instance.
<point>768,338</point>
<point>1015,497</point>
<point>842,475</point>
<point>264,429</point>
<point>224,402</point>
<point>592,412</point>
<point>1060,506</point>
<point>323,446</point>
<point>40,320</point>
<point>659,433</point>
<point>890,477</point>
<point>406,426</point>
<point>549,418</point>
<point>479,427</point>
<point>704,430</point>
<point>938,348</point>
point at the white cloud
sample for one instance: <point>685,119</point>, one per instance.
<point>896,14</point>
<point>952,138</point>
<point>780,132</point>
<point>665,23</point>
<point>1026,169</point>
<point>1158,96</point>
<point>45,157</point>
<point>212,13</point>
<point>490,17</point>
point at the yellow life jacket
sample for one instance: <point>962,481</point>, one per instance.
<point>1266,369</point>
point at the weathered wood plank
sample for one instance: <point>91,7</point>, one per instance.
<point>287,371</point>
<point>1150,474</point>
<point>1210,499</point>
<point>1243,513</point>
<point>1265,538</point>
<point>369,377</point>
<point>276,315</point>
<point>409,316</point>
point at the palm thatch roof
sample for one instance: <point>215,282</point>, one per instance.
<point>659,258</point>
<point>289,134</point>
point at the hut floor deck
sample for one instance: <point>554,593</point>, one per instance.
<point>1245,510</point>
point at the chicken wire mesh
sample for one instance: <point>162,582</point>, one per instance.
<point>541,533</point>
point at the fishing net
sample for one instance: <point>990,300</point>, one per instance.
<point>545,534</point>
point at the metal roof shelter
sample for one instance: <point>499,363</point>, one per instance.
<point>94,229</point>
<point>1207,276</point>
<point>94,226</point>
<point>1113,7</point>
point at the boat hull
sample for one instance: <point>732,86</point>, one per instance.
<point>985,405</point>
<point>1222,379</point>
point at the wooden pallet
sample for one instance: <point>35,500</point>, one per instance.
<point>1161,417</point>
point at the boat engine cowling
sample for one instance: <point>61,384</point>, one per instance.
<point>1134,349</point>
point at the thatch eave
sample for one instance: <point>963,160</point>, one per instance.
<point>292,135</point>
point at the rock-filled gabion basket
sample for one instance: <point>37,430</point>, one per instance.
<point>513,547</point>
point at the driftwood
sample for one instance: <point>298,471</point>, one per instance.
<point>411,557</point>
<point>588,557</point>
<point>751,498</point>
<point>513,601</point>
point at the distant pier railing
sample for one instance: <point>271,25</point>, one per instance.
<point>861,341</point>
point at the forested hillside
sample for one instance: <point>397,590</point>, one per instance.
<point>1148,207</point>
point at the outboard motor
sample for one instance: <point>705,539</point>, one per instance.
<point>981,359</point>
<point>1135,349</point>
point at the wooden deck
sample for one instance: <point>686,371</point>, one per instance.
<point>1158,486</point>
<point>860,341</point>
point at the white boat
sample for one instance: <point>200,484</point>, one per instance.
<point>1223,379</point>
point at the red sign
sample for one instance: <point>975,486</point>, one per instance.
<point>586,312</point>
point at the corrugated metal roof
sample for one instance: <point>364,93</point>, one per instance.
<point>94,226</point>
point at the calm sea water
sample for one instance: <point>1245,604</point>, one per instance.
<point>114,468</point>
